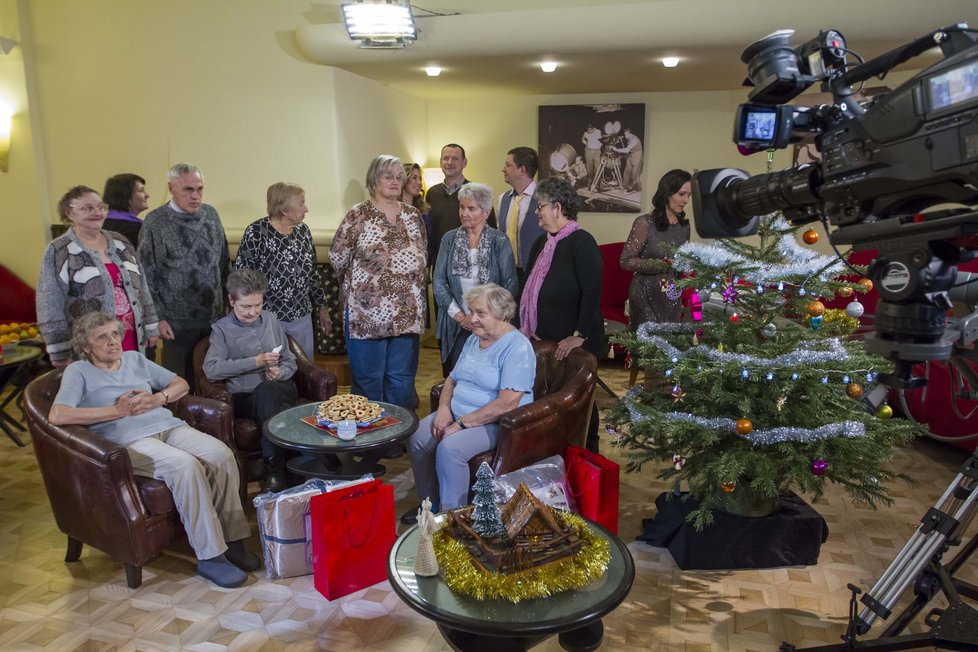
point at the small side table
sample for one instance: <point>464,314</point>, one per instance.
<point>14,359</point>
<point>471,625</point>
<point>329,457</point>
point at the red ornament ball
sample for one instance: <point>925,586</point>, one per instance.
<point>728,487</point>
<point>854,390</point>
<point>815,309</point>
<point>744,427</point>
<point>820,467</point>
<point>810,236</point>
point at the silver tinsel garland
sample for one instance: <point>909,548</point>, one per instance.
<point>757,437</point>
<point>801,262</point>
<point>810,352</point>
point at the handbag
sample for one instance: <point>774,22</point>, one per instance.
<point>352,534</point>
<point>593,482</point>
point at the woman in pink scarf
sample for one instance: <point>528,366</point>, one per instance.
<point>562,296</point>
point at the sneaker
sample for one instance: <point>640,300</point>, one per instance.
<point>222,572</point>
<point>241,557</point>
<point>410,517</point>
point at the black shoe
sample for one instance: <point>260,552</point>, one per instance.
<point>274,479</point>
<point>410,517</point>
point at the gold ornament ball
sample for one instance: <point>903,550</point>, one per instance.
<point>728,487</point>
<point>866,283</point>
<point>810,236</point>
<point>845,292</point>
<point>815,309</point>
<point>854,390</point>
<point>744,427</point>
<point>884,412</point>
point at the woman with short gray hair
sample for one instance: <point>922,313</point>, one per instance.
<point>473,254</point>
<point>379,254</point>
<point>122,396</point>
<point>280,246</point>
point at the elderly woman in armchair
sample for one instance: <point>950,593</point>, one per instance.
<point>494,374</point>
<point>121,396</point>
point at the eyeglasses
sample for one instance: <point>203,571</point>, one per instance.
<point>542,204</point>
<point>91,209</point>
<point>390,176</point>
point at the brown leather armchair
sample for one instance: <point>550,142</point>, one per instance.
<point>564,397</point>
<point>95,497</point>
<point>311,384</point>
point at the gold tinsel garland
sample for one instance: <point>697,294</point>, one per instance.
<point>463,576</point>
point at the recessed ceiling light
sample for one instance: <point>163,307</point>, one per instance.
<point>432,71</point>
<point>670,62</point>
<point>548,66</point>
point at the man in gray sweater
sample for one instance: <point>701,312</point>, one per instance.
<point>249,349</point>
<point>184,255</point>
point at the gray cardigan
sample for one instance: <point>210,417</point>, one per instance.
<point>73,281</point>
<point>448,287</point>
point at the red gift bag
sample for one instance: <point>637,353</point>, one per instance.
<point>352,534</point>
<point>593,481</point>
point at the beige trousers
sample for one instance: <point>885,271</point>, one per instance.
<point>203,476</point>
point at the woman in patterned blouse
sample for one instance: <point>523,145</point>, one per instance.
<point>379,256</point>
<point>280,246</point>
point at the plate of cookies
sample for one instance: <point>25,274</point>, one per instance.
<point>348,406</point>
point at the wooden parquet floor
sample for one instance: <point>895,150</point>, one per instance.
<point>47,604</point>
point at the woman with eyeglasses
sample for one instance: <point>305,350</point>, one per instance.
<point>89,269</point>
<point>379,256</point>
<point>562,296</point>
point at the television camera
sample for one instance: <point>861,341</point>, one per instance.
<point>889,169</point>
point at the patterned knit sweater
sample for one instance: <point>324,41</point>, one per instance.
<point>73,281</point>
<point>185,259</point>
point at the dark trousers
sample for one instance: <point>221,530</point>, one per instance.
<point>178,353</point>
<point>268,399</point>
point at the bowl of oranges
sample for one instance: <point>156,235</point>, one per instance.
<point>12,333</point>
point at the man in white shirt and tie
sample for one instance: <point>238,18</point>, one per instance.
<point>517,207</point>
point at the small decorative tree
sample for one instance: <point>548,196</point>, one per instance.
<point>486,519</point>
<point>762,395</point>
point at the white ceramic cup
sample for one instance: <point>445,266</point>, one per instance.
<point>346,429</point>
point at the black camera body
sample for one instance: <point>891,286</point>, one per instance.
<point>883,163</point>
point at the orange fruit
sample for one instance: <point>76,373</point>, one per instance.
<point>4,329</point>
<point>33,332</point>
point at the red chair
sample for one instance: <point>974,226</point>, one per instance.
<point>16,299</point>
<point>615,281</point>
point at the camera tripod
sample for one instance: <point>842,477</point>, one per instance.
<point>608,162</point>
<point>920,563</point>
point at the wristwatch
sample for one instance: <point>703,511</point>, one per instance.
<point>579,334</point>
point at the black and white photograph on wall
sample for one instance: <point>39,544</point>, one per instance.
<point>599,149</point>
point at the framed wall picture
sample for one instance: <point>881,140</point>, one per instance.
<point>599,149</point>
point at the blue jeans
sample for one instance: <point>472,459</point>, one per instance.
<point>383,369</point>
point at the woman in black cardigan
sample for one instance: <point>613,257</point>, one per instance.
<point>562,296</point>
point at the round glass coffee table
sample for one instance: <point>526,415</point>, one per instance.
<point>472,625</point>
<point>329,457</point>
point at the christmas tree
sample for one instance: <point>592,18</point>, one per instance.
<point>486,519</point>
<point>761,394</point>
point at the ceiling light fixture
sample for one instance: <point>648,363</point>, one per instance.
<point>548,66</point>
<point>670,62</point>
<point>380,25</point>
<point>432,71</point>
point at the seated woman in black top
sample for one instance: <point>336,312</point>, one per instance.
<point>561,298</point>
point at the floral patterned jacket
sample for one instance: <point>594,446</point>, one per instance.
<point>382,269</point>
